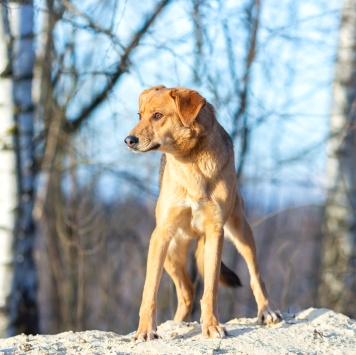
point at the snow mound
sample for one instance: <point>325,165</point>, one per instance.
<point>313,331</point>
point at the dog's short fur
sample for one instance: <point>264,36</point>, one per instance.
<point>198,199</point>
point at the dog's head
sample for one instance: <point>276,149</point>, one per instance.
<point>167,120</point>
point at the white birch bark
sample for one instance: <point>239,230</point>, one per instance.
<point>8,185</point>
<point>21,307</point>
<point>338,272</point>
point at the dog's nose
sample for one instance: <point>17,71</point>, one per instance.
<point>131,141</point>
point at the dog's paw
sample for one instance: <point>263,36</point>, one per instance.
<point>146,336</point>
<point>214,332</point>
<point>267,316</point>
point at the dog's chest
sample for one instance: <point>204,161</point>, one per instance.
<point>197,214</point>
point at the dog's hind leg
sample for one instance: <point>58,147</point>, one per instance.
<point>240,233</point>
<point>175,265</point>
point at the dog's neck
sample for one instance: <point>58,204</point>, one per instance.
<point>207,156</point>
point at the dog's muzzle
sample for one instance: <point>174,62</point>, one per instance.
<point>131,141</point>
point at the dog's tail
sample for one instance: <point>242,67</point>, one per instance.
<point>227,277</point>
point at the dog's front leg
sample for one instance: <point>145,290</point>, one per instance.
<point>214,239</point>
<point>156,255</point>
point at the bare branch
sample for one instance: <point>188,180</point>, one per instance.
<point>72,125</point>
<point>256,5</point>
<point>69,6</point>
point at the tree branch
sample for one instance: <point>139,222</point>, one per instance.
<point>69,6</point>
<point>241,112</point>
<point>72,125</point>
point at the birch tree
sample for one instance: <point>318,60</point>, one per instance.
<point>18,229</point>
<point>338,272</point>
<point>8,192</point>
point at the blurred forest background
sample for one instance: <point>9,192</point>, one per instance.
<point>77,208</point>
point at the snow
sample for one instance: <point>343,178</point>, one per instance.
<point>312,331</point>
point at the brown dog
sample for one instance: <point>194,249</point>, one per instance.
<point>198,198</point>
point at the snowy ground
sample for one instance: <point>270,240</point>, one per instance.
<point>313,331</point>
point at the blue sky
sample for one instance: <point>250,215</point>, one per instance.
<point>289,96</point>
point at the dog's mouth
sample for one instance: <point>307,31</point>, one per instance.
<point>144,149</point>
<point>155,147</point>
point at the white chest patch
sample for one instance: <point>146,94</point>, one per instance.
<point>197,208</point>
<point>198,220</point>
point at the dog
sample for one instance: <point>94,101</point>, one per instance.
<point>198,199</point>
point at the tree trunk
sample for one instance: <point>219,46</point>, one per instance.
<point>18,29</point>
<point>8,187</point>
<point>338,266</point>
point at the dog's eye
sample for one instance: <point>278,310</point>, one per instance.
<point>139,116</point>
<point>156,116</point>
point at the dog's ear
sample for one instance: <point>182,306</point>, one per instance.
<point>144,93</point>
<point>189,103</point>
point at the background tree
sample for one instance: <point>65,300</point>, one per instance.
<point>17,23</point>
<point>64,71</point>
<point>8,196</point>
<point>338,276</point>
